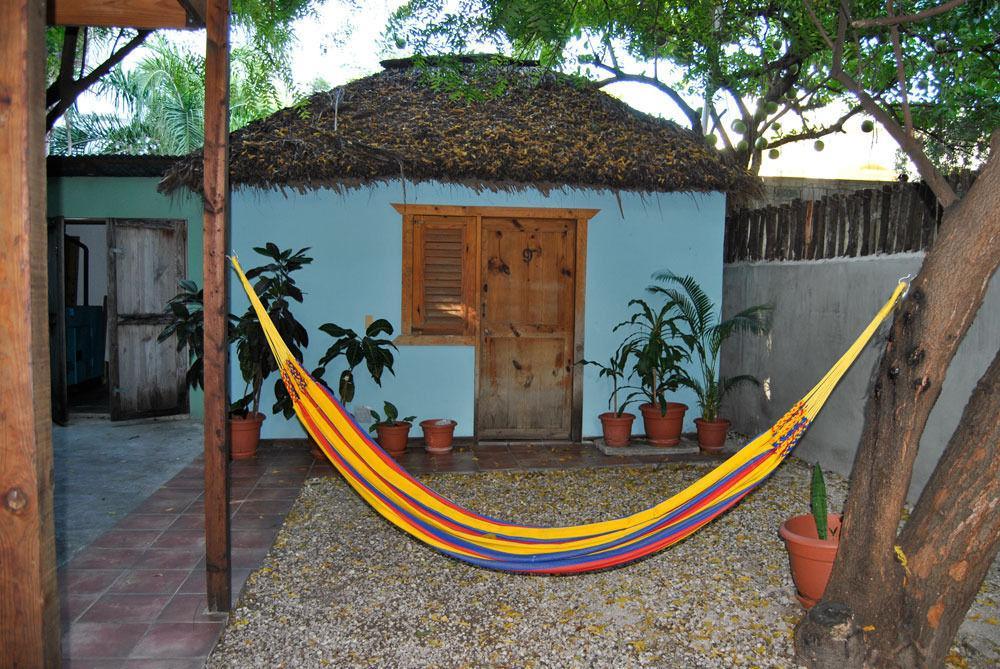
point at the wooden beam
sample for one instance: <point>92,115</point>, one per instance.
<point>146,14</point>
<point>29,607</point>
<point>216,243</point>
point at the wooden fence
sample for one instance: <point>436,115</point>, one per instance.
<point>896,218</point>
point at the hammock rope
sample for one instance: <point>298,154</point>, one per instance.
<point>471,537</point>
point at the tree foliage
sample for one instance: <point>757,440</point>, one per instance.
<point>759,64</point>
<point>77,58</point>
<point>161,104</point>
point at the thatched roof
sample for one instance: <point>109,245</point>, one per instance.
<point>530,128</point>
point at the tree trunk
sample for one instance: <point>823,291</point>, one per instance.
<point>867,587</point>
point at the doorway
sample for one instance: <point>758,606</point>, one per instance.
<point>109,281</point>
<point>530,335</point>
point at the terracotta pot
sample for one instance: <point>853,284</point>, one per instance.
<point>438,433</point>
<point>392,437</point>
<point>663,430</point>
<point>712,434</point>
<point>244,435</point>
<point>810,558</point>
<point>617,429</point>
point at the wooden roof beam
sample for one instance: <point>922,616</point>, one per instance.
<point>142,14</point>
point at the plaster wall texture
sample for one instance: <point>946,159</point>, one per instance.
<point>356,240</point>
<point>820,307</point>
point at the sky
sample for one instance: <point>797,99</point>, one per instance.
<point>342,42</point>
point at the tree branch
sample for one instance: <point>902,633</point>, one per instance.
<point>908,18</point>
<point>897,50</point>
<point>66,93</point>
<point>937,183</point>
<point>619,75</point>
<point>816,133</point>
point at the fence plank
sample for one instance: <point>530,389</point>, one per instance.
<point>866,222</point>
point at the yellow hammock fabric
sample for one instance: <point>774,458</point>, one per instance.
<point>487,542</point>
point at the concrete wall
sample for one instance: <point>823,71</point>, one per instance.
<point>782,190</point>
<point>820,308</point>
<point>130,197</point>
<point>356,240</point>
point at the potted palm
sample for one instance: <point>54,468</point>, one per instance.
<point>703,332</point>
<point>812,540</point>
<point>616,424</point>
<point>658,367</point>
<point>392,431</point>
<point>276,288</point>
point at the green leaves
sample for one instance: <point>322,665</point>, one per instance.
<point>817,501</point>
<point>391,417</point>
<point>375,352</point>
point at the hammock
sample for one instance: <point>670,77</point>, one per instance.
<point>487,542</point>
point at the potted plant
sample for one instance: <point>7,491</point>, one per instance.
<point>703,332</point>
<point>275,287</point>
<point>392,432</point>
<point>438,434</point>
<point>812,541</point>
<point>658,367</point>
<point>372,349</point>
<point>616,424</point>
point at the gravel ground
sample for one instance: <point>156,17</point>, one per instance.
<point>342,588</point>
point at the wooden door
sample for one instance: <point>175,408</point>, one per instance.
<point>57,319</point>
<point>146,260</point>
<point>527,307</point>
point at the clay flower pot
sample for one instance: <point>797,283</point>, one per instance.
<point>712,434</point>
<point>244,435</point>
<point>438,433</point>
<point>617,429</point>
<point>810,558</point>
<point>663,430</point>
<point>392,437</point>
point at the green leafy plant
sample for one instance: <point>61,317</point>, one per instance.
<point>391,417</point>
<point>374,351</point>
<point>657,358</point>
<point>702,330</point>
<point>817,500</point>
<point>616,371</point>
<point>275,287</point>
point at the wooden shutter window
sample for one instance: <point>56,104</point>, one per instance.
<point>443,275</point>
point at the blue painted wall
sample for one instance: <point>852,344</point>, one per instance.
<point>356,240</point>
<point>131,197</point>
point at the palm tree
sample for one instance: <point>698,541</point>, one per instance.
<point>161,103</point>
<point>703,332</point>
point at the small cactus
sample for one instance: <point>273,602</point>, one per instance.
<point>817,496</point>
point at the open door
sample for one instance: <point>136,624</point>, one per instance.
<point>57,319</point>
<point>146,260</point>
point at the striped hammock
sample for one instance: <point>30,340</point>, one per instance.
<point>487,542</point>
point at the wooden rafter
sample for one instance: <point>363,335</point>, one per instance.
<point>143,14</point>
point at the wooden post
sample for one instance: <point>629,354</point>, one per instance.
<point>29,607</point>
<point>216,242</point>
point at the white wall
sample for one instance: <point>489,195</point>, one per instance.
<point>820,308</point>
<point>96,240</point>
<point>356,240</point>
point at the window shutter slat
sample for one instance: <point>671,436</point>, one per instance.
<point>440,286</point>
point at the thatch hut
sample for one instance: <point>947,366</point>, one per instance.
<point>500,217</point>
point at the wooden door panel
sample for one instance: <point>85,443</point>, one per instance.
<point>527,328</point>
<point>57,319</point>
<point>146,260</point>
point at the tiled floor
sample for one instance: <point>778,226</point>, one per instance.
<point>135,597</point>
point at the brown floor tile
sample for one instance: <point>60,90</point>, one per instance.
<point>150,581</point>
<point>189,608</point>
<point>175,663</point>
<point>256,521</point>
<point>102,640</point>
<point>105,558</point>
<point>146,521</point>
<point>126,538</point>
<point>71,606</point>
<point>114,607</point>
<point>178,640</point>
<point>188,521</point>
<point>169,558</point>
<point>187,539</point>
<point>87,581</point>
